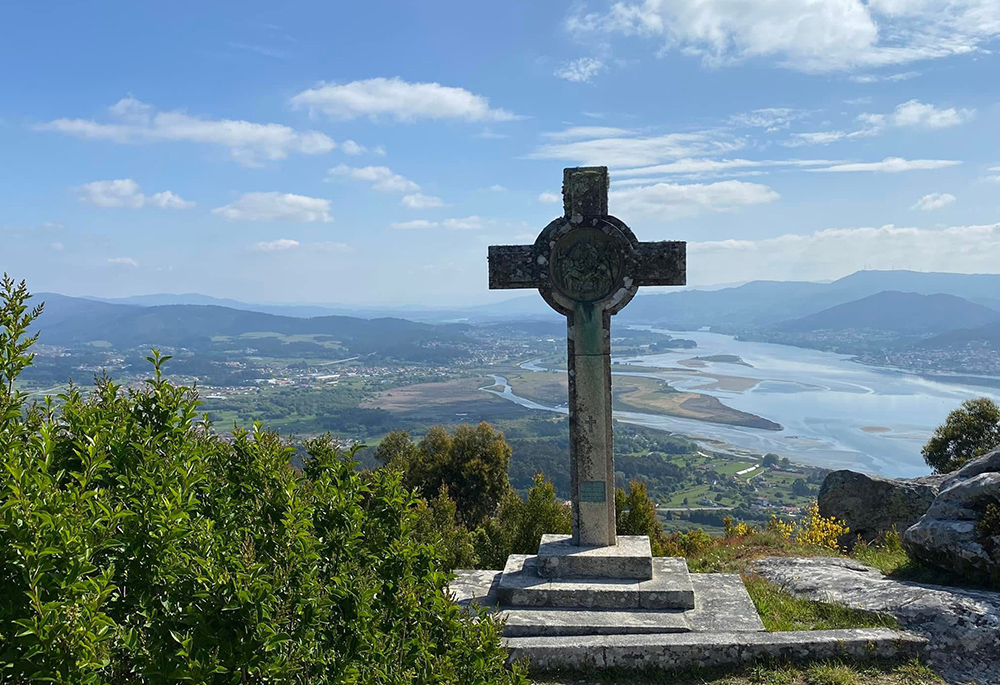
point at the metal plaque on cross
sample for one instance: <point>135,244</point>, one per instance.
<point>587,265</point>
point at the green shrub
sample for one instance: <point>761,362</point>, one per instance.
<point>969,431</point>
<point>138,546</point>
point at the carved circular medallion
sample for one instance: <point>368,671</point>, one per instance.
<point>586,265</point>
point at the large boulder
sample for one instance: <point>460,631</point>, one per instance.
<point>948,536</point>
<point>870,505</point>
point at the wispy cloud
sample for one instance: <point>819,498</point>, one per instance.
<point>890,165</point>
<point>934,201</point>
<point>836,252</point>
<point>276,207</point>
<point>617,150</point>
<point>125,192</point>
<point>133,121</point>
<point>420,201</point>
<point>399,100</point>
<point>123,261</point>
<point>581,70</point>
<point>382,178</point>
<point>673,200</point>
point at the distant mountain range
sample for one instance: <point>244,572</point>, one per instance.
<point>74,321</point>
<point>896,312</point>
<point>941,309</point>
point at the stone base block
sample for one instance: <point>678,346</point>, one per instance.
<point>686,650</point>
<point>632,557</point>
<point>568,622</point>
<point>669,588</point>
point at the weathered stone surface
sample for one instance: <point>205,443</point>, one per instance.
<point>631,557</point>
<point>568,622</point>
<point>686,650</point>
<point>871,505</point>
<point>963,626</point>
<point>669,588</point>
<point>947,535</point>
<point>587,265</point>
<point>721,605</point>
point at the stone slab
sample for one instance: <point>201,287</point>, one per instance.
<point>685,650</point>
<point>669,588</point>
<point>566,622</point>
<point>722,604</point>
<point>632,557</point>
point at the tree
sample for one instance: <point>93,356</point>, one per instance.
<point>471,465</point>
<point>138,546</point>
<point>519,524</point>
<point>635,514</point>
<point>969,431</point>
<point>770,459</point>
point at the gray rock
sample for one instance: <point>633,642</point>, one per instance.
<point>947,536</point>
<point>963,626</point>
<point>870,505</point>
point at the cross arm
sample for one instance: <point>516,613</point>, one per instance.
<point>516,266</point>
<point>661,263</point>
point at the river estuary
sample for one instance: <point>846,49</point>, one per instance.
<point>835,413</point>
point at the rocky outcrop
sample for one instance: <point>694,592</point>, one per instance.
<point>963,626</point>
<point>871,505</point>
<point>948,535</point>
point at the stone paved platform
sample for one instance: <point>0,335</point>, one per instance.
<point>721,604</point>
<point>679,651</point>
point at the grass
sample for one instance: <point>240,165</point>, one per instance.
<point>836,672</point>
<point>781,611</point>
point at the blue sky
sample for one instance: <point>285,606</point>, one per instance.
<point>368,153</point>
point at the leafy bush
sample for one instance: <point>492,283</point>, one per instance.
<point>813,531</point>
<point>519,525</point>
<point>137,546</point>
<point>969,431</point>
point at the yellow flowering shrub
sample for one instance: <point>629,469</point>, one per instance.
<point>820,531</point>
<point>783,528</point>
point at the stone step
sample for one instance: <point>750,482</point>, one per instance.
<point>632,557</point>
<point>568,622</point>
<point>669,588</point>
<point>686,650</point>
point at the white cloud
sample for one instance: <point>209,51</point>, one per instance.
<point>276,207</point>
<point>123,261</point>
<point>469,223</point>
<point>891,78</point>
<point>549,198</point>
<point>810,36</point>
<point>133,121</point>
<point>276,245</point>
<point>399,99</point>
<point>581,70</point>
<point>688,167</point>
<point>934,201</point>
<point>582,132</point>
<point>420,201</point>
<point>416,223</point>
<point>835,252</point>
<point>672,200</point>
<point>351,148</point>
<point>769,118</point>
<point>58,247</point>
<point>497,188</point>
<point>287,244</point>
<point>891,165</point>
<point>620,151</point>
<point>916,113</point>
<point>124,192</point>
<point>381,177</point>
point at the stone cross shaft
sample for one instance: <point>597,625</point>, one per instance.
<point>587,265</point>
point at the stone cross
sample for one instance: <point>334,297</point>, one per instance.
<point>587,265</point>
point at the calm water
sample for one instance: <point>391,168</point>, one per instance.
<point>823,400</point>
